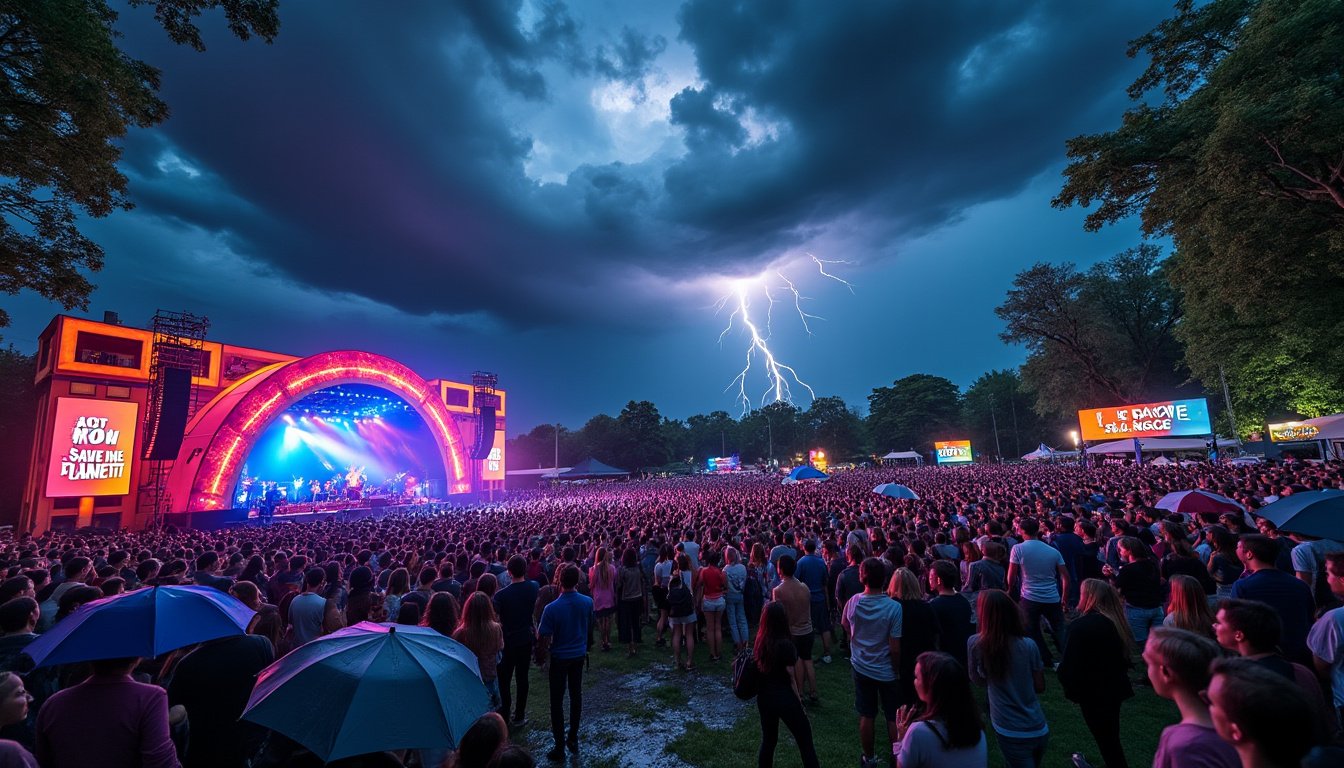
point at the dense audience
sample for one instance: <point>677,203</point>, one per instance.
<point>997,576</point>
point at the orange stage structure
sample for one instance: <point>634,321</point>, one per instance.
<point>94,389</point>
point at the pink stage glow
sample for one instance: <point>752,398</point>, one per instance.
<point>278,387</point>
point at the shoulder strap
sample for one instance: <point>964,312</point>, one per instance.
<point>933,726</point>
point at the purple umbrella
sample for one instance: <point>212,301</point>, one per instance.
<point>1198,502</point>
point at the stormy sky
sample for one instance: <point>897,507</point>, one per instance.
<point>563,192</point>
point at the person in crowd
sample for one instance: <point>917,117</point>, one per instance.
<point>1039,571</point>
<point>1182,559</point>
<point>1265,718</point>
<point>602,577</point>
<point>735,574</point>
<point>359,604</point>
<point>797,601</point>
<point>1139,583</point>
<point>1252,630</point>
<point>1008,662</point>
<point>308,610</point>
<point>714,586</point>
<point>872,620</point>
<point>1289,596</point>
<point>109,720</point>
<point>950,609</point>
<point>946,730</point>
<point>208,566</point>
<point>398,586</point>
<point>1188,607</point>
<point>811,572</point>
<point>213,683</point>
<point>1224,564</point>
<point>775,653</point>
<point>482,741</point>
<point>631,604</point>
<point>479,631</point>
<point>662,580</point>
<point>1094,668</point>
<point>1178,665</point>
<point>1308,558</point>
<point>1325,641</point>
<point>441,614</point>
<point>919,626</point>
<point>681,594</point>
<point>563,636</point>
<point>513,605</point>
<point>14,705</point>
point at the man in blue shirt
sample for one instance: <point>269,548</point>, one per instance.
<point>812,573</point>
<point>563,633</point>
<point>513,606</point>
<point>1290,597</point>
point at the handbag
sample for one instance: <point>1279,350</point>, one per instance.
<point>746,677</point>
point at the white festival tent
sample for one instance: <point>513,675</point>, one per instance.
<point>1157,444</point>
<point>910,455</point>
<point>1045,452</point>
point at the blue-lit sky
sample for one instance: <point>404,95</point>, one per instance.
<point>560,192</point>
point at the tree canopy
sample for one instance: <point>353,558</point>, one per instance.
<point>67,95</point>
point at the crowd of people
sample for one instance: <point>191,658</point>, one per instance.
<point>997,577</point>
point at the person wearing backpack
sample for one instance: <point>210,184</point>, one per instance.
<point>681,612</point>
<point>776,689</point>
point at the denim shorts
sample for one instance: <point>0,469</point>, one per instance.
<point>714,605</point>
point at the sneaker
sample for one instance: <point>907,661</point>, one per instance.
<point>869,762</point>
<point>556,755</point>
<point>826,659</point>
<point>573,744</point>
<point>519,722</point>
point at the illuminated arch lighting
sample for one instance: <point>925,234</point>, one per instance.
<point>288,384</point>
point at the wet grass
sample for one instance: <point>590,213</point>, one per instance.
<point>834,723</point>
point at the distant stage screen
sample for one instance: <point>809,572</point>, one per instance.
<point>725,464</point>
<point>953,451</point>
<point>1170,418</point>
<point>91,447</point>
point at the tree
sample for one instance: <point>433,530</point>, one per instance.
<point>1000,397</point>
<point>640,440</point>
<point>834,427</point>
<point>602,438</point>
<point>67,94</point>
<point>710,435</point>
<point>1104,336</point>
<point>1235,150</point>
<point>913,412</point>
<point>18,419</point>
<point>677,437</point>
<point>547,445</point>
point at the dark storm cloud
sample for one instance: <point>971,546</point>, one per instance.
<point>382,152</point>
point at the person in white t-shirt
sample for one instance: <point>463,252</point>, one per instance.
<point>1034,566</point>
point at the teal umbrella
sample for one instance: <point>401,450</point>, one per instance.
<point>371,688</point>
<point>895,491</point>
<point>1314,513</point>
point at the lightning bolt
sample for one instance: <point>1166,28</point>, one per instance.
<point>821,267</point>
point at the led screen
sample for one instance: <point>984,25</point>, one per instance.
<point>92,445</point>
<point>953,451</point>
<point>1166,419</point>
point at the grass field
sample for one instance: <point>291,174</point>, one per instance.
<point>643,712</point>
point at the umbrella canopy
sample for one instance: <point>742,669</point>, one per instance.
<point>895,491</point>
<point>145,623</point>
<point>1314,513</point>
<point>807,473</point>
<point>1198,502</point>
<point>370,688</point>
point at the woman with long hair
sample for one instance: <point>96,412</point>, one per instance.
<point>630,607</point>
<point>480,631</point>
<point>758,571</point>
<point>398,586</point>
<point>1094,668</point>
<point>441,615</point>
<point>1182,559</point>
<point>919,625</point>
<point>736,575</point>
<point>359,604</point>
<point>777,693</point>
<point>1140,584</point>
<point>1224,565</point>
<point>715,585</point>
<point>1188,607</point>
<point>602,582</point>
<point>681,602</point>
<point>1005,660</point>
<point>947,731</point>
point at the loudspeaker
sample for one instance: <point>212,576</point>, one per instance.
<point>485,434</point>
<point>169,422</point>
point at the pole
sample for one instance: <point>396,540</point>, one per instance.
<point>1017,438</point>
<point>1227,400</point>
<point>993,419</point>
<point>723,442</point>
<point>556,465</point>
<point>770,437</point>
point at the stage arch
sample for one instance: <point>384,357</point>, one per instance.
<point>221,434</point>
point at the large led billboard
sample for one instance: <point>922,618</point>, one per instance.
<point>1166,419</point>
<point>1290,431</point>
<point>953,451</point>
<point>725,463</point>
<point>92,444</point>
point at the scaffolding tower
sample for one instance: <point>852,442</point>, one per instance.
<point>179,342</point>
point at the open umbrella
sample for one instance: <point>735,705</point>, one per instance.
<point>1314,513</point>
<point>146,623</point>
<point>895,491</point>
<point>804,472</point>
<point>1198,502</point>
<point>369,688</point>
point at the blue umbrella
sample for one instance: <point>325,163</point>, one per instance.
<point>895,491</point>
<point>807,473</point>
<point>1314,513</point>
<point>370,688</point>
<point>144,623</point>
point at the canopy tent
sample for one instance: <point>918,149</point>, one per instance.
<point>805,472</point>
<point>914,456</point>
<point>591,469</point>
<point>1328,427</point>
<point>1157,444</point>
<point>1044,452</point>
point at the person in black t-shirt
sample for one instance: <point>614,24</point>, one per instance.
<point>513,606</point>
